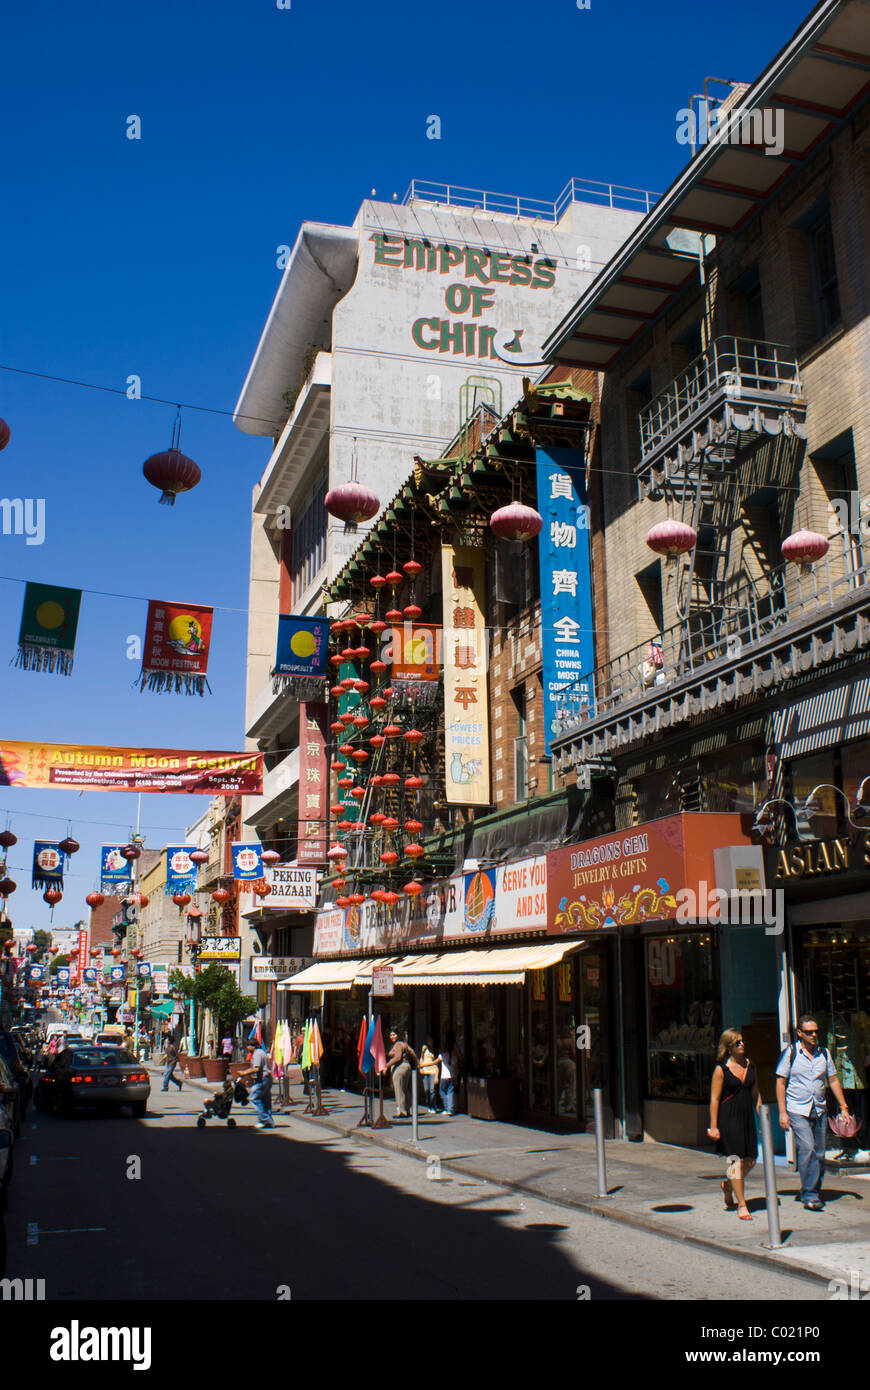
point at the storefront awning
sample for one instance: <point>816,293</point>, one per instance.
<point>332,974</point>
<point>493,966</point>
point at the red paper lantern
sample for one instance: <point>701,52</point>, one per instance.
<point>344,825</point>
<point>360,755</point>
<point>392,731</point>
<point>141,899</point>
<point>357,899</point>
<point>337,659</point>
<point>413,611</point>
<point>394,579</point>
<point>52,896</point>
<point>347,717</point>
<point>377,703</point>
<point>336,765</point>
<point>516,522</point>
<point>269,856</point>
<point>173,472</point>
<point>338,884</point>
<point>221,896</point>
<point>338,626</point>
<point>131,852</point>
<point>342,902</point>
<point>803,548</point>
<point>389,856</point>
<point>348,653</point>
<point>346,749</point>
<point>337,727</point>
<point>361,687</point>
<point>336,852</point>
<point>672,538</point>
<point>69,846</point>
<point>181,899</point>
<point>376,894</point>
<point>413,888</point>
<point>377,667</point>
<point>95,899</point>
<point>376,780</point>
<point>376,740</point>
<point>8,839</point>
<point>358,793</point>
<point>116,951</point>
<point>360,721</point>
<point>377,818</point>
<point>389,692</point>
<point>395,615</point>
<point>377,626</point>
<point>413,736</point>
<point>390,779</point>
<point>413,783</point>
<point>5,434</point>
<point>389,898</point>
<point>348,683</point>
<point>345,782</point>
<point>7,886</point>
<point>337,691</point>
<point>377,582</point>
<point>362,654</point>
<point>390,823</point>
<point>337,809</point>
<point>412,568</point>
<point>351,503</point>
<point>199,856</point>
<point>413,827</point>
<point>414,851</point>
<point>31,947</point>
<point>262,890</point>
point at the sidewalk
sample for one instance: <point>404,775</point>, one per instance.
<point>667,1190</point>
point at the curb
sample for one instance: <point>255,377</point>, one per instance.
<point>590,1205</point>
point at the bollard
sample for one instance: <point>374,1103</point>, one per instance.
<point>599,1143</point>
<point>414,1106</point>
<point>770,1193</point>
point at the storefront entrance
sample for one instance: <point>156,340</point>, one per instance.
<point>564,1054</point>
<point>833,983</point>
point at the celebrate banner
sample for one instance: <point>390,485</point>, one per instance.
<point>47,864</point>
<point>181,872</point>
<point>106,768</point>
<point>177,638</point>
<point>49,621</point>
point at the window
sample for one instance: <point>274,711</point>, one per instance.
<point>824,269</point>
<point>748,288</point>
<point>818,770</point>
<point>683,1022</point>
<point>521,759</point>
<point>309,541</point>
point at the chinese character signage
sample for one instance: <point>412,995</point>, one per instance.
<point>466,713</point>
<point>62,975</point>
<point>220,948</point>
<point>247,862</point>
<point>47,864</point>
<point>303,646</point>
<point>313,787</point>
<point>83,952</point>
<point>181,874</point>
<point>568,637</point>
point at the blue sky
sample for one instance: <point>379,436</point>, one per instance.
<point>158,257</point>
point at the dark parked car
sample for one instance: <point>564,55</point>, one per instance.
<point>103,1076</point>
<point>20,1070</point>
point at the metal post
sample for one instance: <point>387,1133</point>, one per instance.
<point>414,1106</point>
<point>770,1193</point>
<point>599,1142</point>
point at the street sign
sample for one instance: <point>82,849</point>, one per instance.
<point>382,981</point>
<point>220,948</point>
<point>277,967</point>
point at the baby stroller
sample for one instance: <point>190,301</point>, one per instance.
<point>221,1103</point>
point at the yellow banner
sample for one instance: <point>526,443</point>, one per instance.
<point>466,705</point>
<point>129,769</point>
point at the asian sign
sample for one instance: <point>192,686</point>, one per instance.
<point>181,873</point>
<point>277,967</point>
<point>313,786</point>
<point>115,876</point>
<point>568,637</point>
<point>466,707</point>
<point>222,948</point>
<point>247,862</point>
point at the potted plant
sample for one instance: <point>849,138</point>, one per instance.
<point>215,990</point>
<point>214,1068</point>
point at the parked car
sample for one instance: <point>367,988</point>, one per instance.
<point>7,1146</point>
<point>19,1070</point>
<point>102,1076</point>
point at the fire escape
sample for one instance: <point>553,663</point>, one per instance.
<point>729,429</point>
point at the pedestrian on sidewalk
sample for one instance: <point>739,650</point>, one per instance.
<point>261,1090</point>
<point>450,1064</point>
<point>803,1073</point>
<point>170,1057</point>
<point>399,1062</point>
<point>734,1096</point>
<point>429,1067</point>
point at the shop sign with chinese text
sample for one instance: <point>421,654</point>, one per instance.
<point>313,786</point>
<point>466,706</point>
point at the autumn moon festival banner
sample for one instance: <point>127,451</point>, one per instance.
<point>177,639</point>
<point>105,768</point>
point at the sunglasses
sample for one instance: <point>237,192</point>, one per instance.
<point>810,1031</point>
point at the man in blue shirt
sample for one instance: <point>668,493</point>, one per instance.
<point>801,1080</point>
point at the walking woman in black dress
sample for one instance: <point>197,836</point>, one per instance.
<point>733,1097</point>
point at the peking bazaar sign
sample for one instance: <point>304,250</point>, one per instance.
<point>110,769</point>
<point>634,876</point>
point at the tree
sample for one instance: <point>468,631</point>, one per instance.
<point>57,963</point>
<point>215,989</point>
<point>42,941</point>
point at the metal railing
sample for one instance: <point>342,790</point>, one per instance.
<point>610,195</point>
<point>721,631</point>
<point>738,367</point>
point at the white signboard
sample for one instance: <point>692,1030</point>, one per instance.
<point>160,979</point>
<point>521,896</point>
<point>292,887</point>
<point>382,981</point>
<point>277,967</point>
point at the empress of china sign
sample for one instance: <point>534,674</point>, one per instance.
<point>473,273</point>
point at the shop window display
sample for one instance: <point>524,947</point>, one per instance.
<point>541,1055</point>
<point>836,988</point>
<point>683,1024</point>
<point>566,1040</point>
<point>487,1032</point>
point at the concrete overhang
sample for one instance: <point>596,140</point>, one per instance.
<point>321,269</point>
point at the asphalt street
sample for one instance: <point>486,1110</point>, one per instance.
<point>108,1207</point>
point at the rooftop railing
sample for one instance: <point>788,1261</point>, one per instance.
<point>609,195</point>
<point>738,367</point>
<point>722,631</point>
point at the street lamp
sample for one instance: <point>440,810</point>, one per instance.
<point>861,809</point>
<point>761,830</point>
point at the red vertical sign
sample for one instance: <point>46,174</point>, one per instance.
<point>83,954</point>
<point>313,784</point>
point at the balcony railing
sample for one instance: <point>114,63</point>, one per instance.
<point>731,368</point>
<point>722,631</point>
<point>608,195</point>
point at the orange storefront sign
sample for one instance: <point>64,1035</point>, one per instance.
<point>633,876</point>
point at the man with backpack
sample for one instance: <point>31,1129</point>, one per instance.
<point>802,1074</point>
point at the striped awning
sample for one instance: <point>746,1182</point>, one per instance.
<point>484,966</point>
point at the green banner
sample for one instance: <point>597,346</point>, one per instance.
<point>49,622</point>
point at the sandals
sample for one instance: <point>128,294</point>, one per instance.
<point>744,1215</point>
<point>730,1204</point>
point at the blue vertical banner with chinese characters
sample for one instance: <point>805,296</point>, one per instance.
<point>568,631</point>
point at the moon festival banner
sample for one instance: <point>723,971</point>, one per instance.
<point>110,769</point>
<point>177,638</point>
